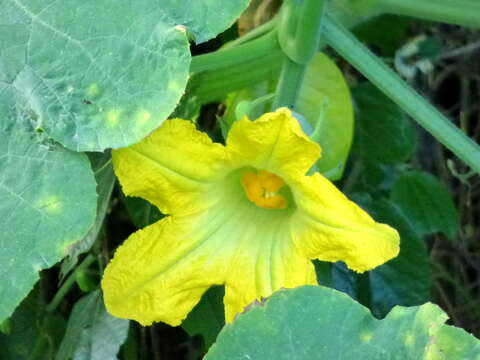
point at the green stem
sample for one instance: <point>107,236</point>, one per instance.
<point>64,289</point>
<point>287,28</point>
<point>299,46</point>
<point>345,43</point>
<point>233,56</point>
<point>289,85</point>
<point>300,29</point>
<point>309,30</point>
<point>253,34</point>
<point>214,85</point>
<point>459,12</point>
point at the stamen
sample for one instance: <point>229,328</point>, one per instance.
<point>262,189</point>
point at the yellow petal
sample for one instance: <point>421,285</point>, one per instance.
<point>171,168</point>
<point>330,227</point>
<point>274,142</point>
<point>255,275</point>
<point>256,253</point>
<point>160,272</point>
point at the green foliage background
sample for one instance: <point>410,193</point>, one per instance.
<point>78,79</point>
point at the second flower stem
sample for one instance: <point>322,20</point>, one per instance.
<point>459,12</point>
<point>345,43</point>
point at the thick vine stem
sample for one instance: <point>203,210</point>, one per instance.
<point>345,43</point>
<point>300,29</point>
<point>235,55</point>
<point>458,12</point>
<point>300,47</point>
<point>214,85</point>
<point>308,31</point>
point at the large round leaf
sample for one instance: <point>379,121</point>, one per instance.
<point>325,102</point>
<point>320,323</point>
<point>100,74</point>
<point>47,202</point>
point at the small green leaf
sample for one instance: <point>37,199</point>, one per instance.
<point>207,318</point>
<point>430,47</point>
<point>92,333</point>
<point>86,280</point>
<point>383,133</point>
<point>47,203</point>
<point>246,96</point>
<point>313,322</point>
<point>325,102</point>
<point>34,334</point>
<point>6,327</point>
<point>101,74</point>
<point>142,212</point>
<point>427,203</point>
<point>386,32</point>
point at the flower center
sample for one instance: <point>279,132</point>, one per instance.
<point>262,189</point>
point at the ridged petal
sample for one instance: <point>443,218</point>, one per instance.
<point>274,142</point>
<point>265,261</point>
<point>330,227</point>
<point>161,272</point>
<point>173,168</point>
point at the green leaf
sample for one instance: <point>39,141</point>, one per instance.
<point>141,211</point>
<point>92,333</point>
<point>246,98</point>
<point>314,322</point>
<point>207,318</point>
<point>427,203</point>
<point>6,326</point>
<point>325,102</point>
<point>339,277</point>
<point>386,32</point>
<point>86,280</point>
<point>34,334</point>
<point>404,280</point>
<point>383,133</point>
<point>103,170</point>
<point>47,202</point>
<point>95,75</point>
<point>461,345</point>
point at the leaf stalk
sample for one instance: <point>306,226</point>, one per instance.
<point>345,43</point>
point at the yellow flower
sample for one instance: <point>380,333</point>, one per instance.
<point>243,215</point>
